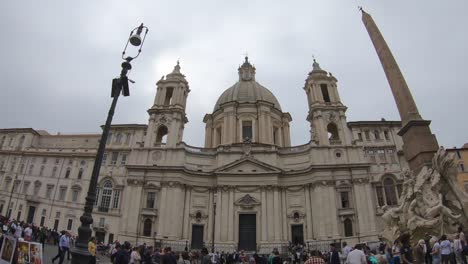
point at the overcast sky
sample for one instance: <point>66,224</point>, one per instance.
<point>59,57</point>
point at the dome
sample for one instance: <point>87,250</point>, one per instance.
<point>247,90</point>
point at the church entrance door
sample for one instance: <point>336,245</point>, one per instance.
<point>247,232</point>
<point>197,237</point>
<point>32,210</point>
<point>297,234</point>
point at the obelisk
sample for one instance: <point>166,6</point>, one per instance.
<point>419,144</point>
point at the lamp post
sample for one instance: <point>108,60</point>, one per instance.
<point>80,252</point>
<point>215,196</point>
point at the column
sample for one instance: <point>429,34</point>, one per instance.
<point>188,199</point>
<point>276,208</point>
<point>231,215</point>
<point>162,228</point>
<point>264,215</point>
<point>308,212</point>
<point>209,228</point>
<point>218,215</point>
<point>285,215</point>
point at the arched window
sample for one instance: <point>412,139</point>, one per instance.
<point>147,227</point>
<point>161,136</point>
<point>348,227</point>
<point>332,132</point>
<point>390,191</point>
<point>106,196</point>
<point>80,173</point>
<point>21,142</point>
<point>169,93</point>
<point>67,173</point>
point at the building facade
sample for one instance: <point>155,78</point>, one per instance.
<point>247,188</point>
<point>461,161</point>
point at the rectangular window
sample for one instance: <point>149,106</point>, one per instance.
<point>57,214</point>
<point>57,161</point>
<point>16,186</point>
<point>115,203</point>
<point>115,156</point>
<point>42,220</point>
<point>102,221</point>
<point>25,187</point>
<point>49,191</point>
<point>44,160</point>
<point>97,196</point>
<point>359,136</point>
<point>54,171</point>
<point>151,197</point>
<point>326,96</point>
<point>56,223</point>
<point>247,130</point>
<point>37,188</point>
<point>31,169</point>
<point>62,193</point>
<point>219,134</point>
<point>104,159</point>
<point>275,136</point>
<point>382,156</point>
<point>380,198</point>
<point>344,199</point>
<point>123,160</point>
<point>109,138</point>
<point>127,138</point>
<point>75,195</point>
<point>70,224</point>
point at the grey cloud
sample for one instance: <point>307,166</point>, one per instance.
<point>59,58</point>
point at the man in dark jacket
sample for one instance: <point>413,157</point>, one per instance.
<point>334,256</point>
<point>122,256</point>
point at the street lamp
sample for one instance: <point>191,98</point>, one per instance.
<point>215,196</point>
<point>80,252</point>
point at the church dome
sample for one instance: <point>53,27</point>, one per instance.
<point>247,90</point>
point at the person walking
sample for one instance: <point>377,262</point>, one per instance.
<point>205,257</point>
<point>445,249</point>
<point>427,239</point>
<point>28,233</point>
<point>62,248</point>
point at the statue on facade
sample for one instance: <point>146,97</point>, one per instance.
<point>430,202</point>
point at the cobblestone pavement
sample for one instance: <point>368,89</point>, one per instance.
<point>51,251</point>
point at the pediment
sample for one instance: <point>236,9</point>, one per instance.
<point>248,165</point>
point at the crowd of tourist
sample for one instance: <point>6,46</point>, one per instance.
<point>451,249</point>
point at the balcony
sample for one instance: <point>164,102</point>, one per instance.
<point>149,211</point>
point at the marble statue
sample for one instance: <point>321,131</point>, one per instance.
<point>430,202</point>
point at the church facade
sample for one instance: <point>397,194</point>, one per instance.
<point>247,188</point>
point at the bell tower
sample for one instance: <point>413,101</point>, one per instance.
<point>326,112</point>
<point>167,115</point>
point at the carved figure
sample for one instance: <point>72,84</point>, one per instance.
<point>430,202</point>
